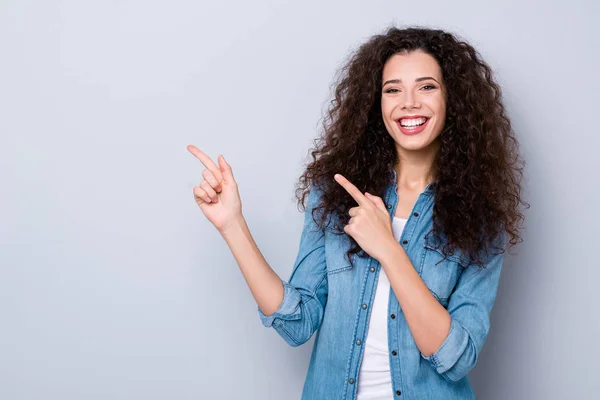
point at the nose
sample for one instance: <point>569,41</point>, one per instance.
<point>410,101</point>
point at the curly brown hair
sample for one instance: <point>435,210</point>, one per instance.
<point>479,169</point>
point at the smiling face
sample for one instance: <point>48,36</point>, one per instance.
<point>413,100</point>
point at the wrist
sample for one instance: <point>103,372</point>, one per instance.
<point>389,252</point>
<point>236,225</point>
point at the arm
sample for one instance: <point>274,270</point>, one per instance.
<point>301,312</point>
<point>295,309</point>
<point>429,322</point>
<point>264,283</point>
<point>469,306</point>
<point>450,339</point>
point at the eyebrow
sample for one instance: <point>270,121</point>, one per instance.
<point>423,78</point>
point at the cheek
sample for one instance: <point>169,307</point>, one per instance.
<point>439,109</point>
<point>440,106</point>
<point>442,116</point>
<point>386,107</point>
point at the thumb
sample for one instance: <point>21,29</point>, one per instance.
<point>225,169</point>
<point>377,201</point>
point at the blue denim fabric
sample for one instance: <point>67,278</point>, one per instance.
<point>328,296</point>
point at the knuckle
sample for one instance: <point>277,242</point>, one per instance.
<point>208,175</point>
<point>206,186</point>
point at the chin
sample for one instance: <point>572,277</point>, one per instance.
<point>415,145</point>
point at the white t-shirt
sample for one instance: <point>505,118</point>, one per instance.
<point>374,378</point>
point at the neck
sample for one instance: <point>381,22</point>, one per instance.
<point>415,169</point>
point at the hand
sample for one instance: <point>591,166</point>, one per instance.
<point>370,224</point>
<point>217,195</point>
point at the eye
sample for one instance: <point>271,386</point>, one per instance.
<point>431,86</point>
<point>392,90</point>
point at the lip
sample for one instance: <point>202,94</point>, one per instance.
<point>412,116</point>
<point>412,131</point>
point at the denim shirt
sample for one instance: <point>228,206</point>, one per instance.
<point>325,294</point>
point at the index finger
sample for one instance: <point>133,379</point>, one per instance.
<point>208,163</point>
<point>356,194</point>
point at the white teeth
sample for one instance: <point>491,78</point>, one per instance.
<point>413,122</point>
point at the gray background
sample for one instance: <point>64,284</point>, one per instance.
<point>113,285</point>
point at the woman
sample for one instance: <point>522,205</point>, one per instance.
<point>413,194</point>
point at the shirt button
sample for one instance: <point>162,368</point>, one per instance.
<point>372,269</point>
<point>389,206</point>
<point>404,241</point>
<point>352,381</point>
<point>394,352</point>
<point>398,392</point>
<point>358,342</point>
<point>364,306</point>
<point>393,316</point>
<point>416,214</point>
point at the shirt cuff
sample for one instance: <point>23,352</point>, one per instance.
<point>289,308</point>
<point>451,349</point>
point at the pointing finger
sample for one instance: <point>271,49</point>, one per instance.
<point>208,163</point>
<point>353,190</point>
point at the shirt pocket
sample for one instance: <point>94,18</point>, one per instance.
<point>439,274</point>
<point>336,247</point>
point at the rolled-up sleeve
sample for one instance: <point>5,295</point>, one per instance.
<point>305,294</point>
<point>469,307</point>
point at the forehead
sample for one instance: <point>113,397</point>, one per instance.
<point>407,66</point>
